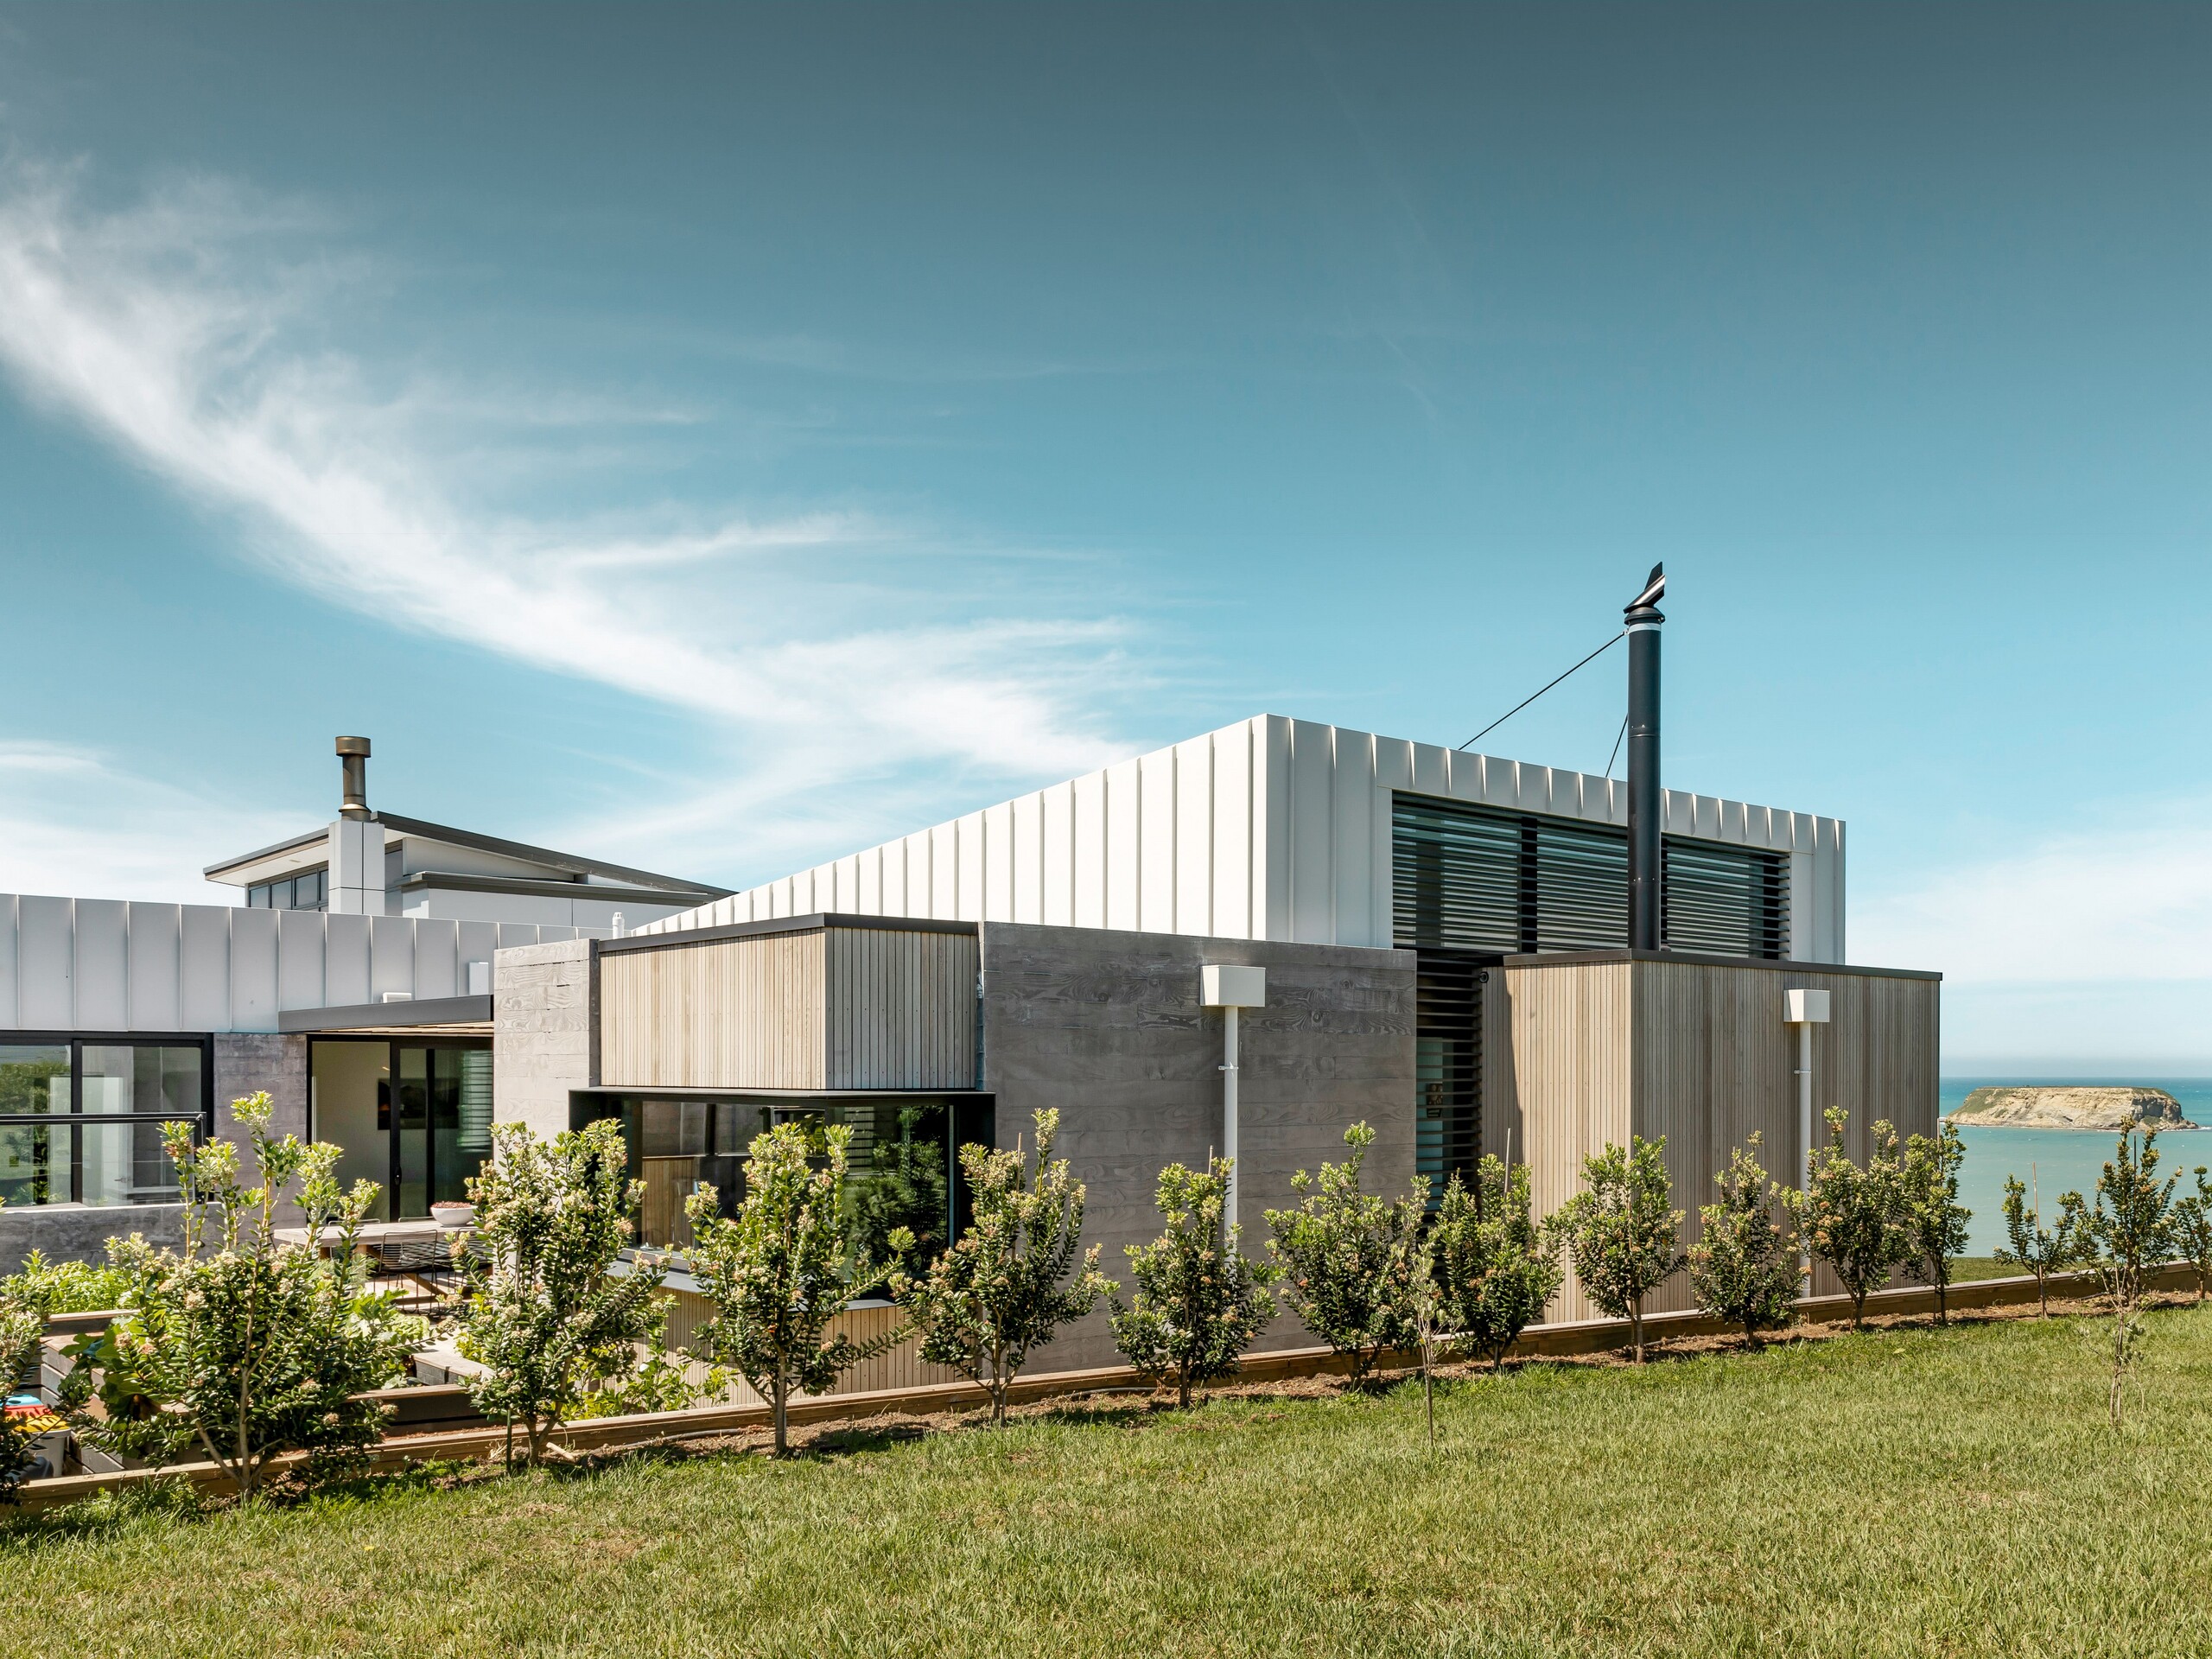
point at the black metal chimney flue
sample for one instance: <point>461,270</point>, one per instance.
<point>1642,620</point>
<point>353,756</point>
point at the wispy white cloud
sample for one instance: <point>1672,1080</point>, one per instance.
<point>2127,899</point>
<point>196,331</point>
<point>75,822</point>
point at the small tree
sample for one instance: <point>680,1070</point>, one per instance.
<point>1621,1231</point>
<point>779,1273</point>
<point>1348,1257</point>
<point>242,1345</point>
<point>543,1310</point>
<point>1936,1222</point>
<point>2192,1229</point>
<point>2042,1250</point>
<point>1495,1268</point>
<point>1004,1287</point>
<point>1854,1218</point>
<point>2130,1232</point>
<point>1744,1267</point>
<point>1199,1300</point>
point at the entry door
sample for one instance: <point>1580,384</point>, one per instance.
<point>440,1123</point>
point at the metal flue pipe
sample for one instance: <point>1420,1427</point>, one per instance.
<point>1642,621</point>
<point>353,759</point>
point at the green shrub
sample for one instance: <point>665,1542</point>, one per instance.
<point>1622,1232</point>
<point>779,1272</point>
<point>1936,1222</point>
<point>1855,1218</point>
<point>1495,1268</point>
<point>1199,1300</point>
<point>2192,1229</point>
<point>1005,1285</point>
<point>1744,1267</point>
<point>69,1287</point>
<point>2130,1235</point>
<point>1350,1257</point>
<point>239,1344</point>
<point>542,1311</point>
<point>2042,1250</point>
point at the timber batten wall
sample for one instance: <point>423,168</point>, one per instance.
<point>836,1004</point>
<point>1599,1048</point>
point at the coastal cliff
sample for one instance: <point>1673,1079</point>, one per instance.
<point>2066,1107</point>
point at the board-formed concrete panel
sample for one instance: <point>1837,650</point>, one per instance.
<point>1107,1027</point>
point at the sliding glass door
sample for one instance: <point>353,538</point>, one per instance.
<point>441,1124</point>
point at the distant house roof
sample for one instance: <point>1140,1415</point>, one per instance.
<point>299,851</point>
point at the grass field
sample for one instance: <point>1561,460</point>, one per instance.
<point>1908,1491</point>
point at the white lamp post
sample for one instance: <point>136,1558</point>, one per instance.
<point>1805,1010</point>
<point>1228,987</point>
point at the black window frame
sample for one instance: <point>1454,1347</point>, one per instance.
<point>76,1117</point>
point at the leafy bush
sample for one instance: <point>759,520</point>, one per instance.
<point>1622,1232</point>
<point>778,1272</point>
<point>1855,1219</point>
<point>1936,1222</point>
<point>1494,1267</point>
<point>1004,1287</point>
<point>2130,1235</point>
<point>2192,1229</point>
<point>244,1346</point>
<point>542,1311</point>
<point>1199,1300</point>
<point>1350,1258</point>
<point>2042,1250</point>
<point>67,1286</point>
<point>1744,1267</point>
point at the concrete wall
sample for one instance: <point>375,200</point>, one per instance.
<point>1107,1027</point>
<point>543,1026</point>
<point>1270,829</point>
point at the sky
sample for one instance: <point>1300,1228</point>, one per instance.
<point>718,439</point>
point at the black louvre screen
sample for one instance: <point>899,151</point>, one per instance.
<point>1727,901</point>
<point>1448,1062</point>
<point>1469,878</point>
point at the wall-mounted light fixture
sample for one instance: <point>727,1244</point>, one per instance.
<point>1228,987</point>
<point>1805,1010</point>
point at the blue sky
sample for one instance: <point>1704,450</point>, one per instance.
<point>718,439</point>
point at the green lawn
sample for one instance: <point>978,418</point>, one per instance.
<point>1912,1492</point>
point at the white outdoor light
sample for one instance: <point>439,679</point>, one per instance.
<point>1228,987</point>
<point>1805,1010</point>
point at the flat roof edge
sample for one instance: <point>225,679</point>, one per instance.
<point>676,937</point>
<point>1695,959</point>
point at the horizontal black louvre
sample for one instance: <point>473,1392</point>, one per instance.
<point>1448,1061</point>
<point>1472,878</point>
<point>1728,901</point>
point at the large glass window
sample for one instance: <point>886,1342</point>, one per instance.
<point>900,1168</point>
<point>81,1119</point>
<point>309,890</point>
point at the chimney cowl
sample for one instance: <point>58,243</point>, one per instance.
<point>353,760</point>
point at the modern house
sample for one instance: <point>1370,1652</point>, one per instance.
<point>1471,955</point>
<point>354,985</point>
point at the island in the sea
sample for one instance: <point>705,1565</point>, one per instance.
<point>2066,1106</point>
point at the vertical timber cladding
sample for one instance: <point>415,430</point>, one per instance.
<point>1605,1047</point>
<point>818,1006</point>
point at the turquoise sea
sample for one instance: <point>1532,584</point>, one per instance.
<point>2059,1159</point>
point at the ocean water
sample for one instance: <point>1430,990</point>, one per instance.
<point>2059,1160</point>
